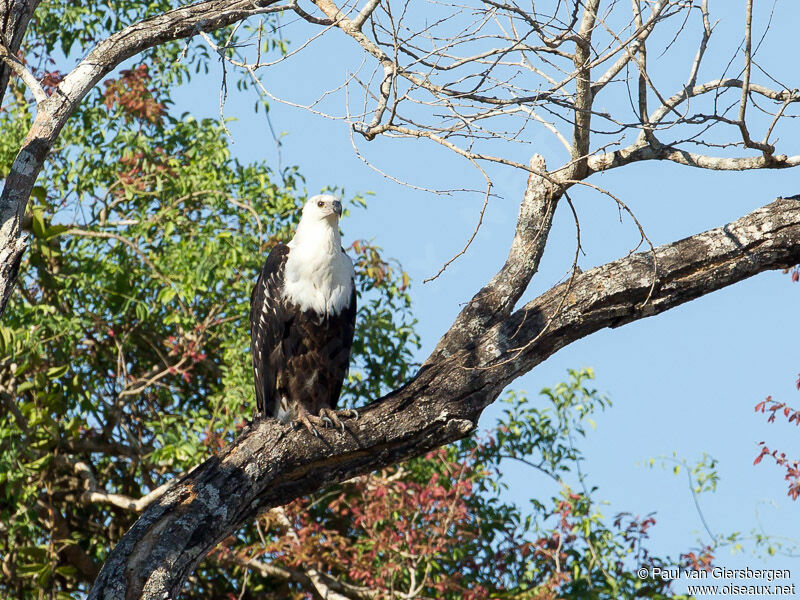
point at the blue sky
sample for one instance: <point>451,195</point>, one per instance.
<point>684,382</point>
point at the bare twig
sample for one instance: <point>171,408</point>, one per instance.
<point>767,149</point>
<point>94,494</point>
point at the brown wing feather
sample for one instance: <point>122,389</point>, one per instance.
<point>339,352</point>
<point>268,323</point>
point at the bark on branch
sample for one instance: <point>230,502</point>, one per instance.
<point>271,464</point>
<point>10,60</point>
<point>497,298</point>
<point>14,18</point>
<point>645,284</point>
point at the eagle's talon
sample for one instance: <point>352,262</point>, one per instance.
<point>305,421</point>
<point>330,416</point>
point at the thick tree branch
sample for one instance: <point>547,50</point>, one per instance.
<point>643,285</point>
<point>94,494</point>
<point>748,63</point>
<point>173,25</point>
<point>581,131</point>
<point>489,345</point>
<point>497,299</point>
<point>271,464</point>
<point>638,152</point>
<point>697,90</point>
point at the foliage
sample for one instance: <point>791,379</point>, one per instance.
<point>774,408</point>
<point>791,467</point>
<point>575,552</point>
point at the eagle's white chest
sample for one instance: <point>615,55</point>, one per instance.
<point>318,275</point>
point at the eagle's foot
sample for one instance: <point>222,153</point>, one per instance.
<point>335,417</point>
<point>326,418</point>
<point>331,418</point>
<point>307,420</point>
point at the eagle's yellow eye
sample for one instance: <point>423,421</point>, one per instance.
<point>320,204</point>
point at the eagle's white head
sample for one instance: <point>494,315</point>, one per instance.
<point>320,219</point>
<point>323,206</point>
<point>318,274</point>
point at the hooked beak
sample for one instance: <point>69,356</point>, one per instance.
<point>337,207</point>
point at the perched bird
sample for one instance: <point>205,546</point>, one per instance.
<point>302,320</point>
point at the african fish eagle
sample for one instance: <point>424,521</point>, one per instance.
<point>302,320</point>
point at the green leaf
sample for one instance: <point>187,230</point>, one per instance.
<point>25,386</point>
<point>56,372</point>
<point>37,223</point>
<point>39,193</point>
<point>54,231</point>
<point>39,463</point>
<point>6,340</point>
<point>165,295</point>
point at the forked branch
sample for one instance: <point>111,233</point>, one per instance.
<point>271,464</point>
